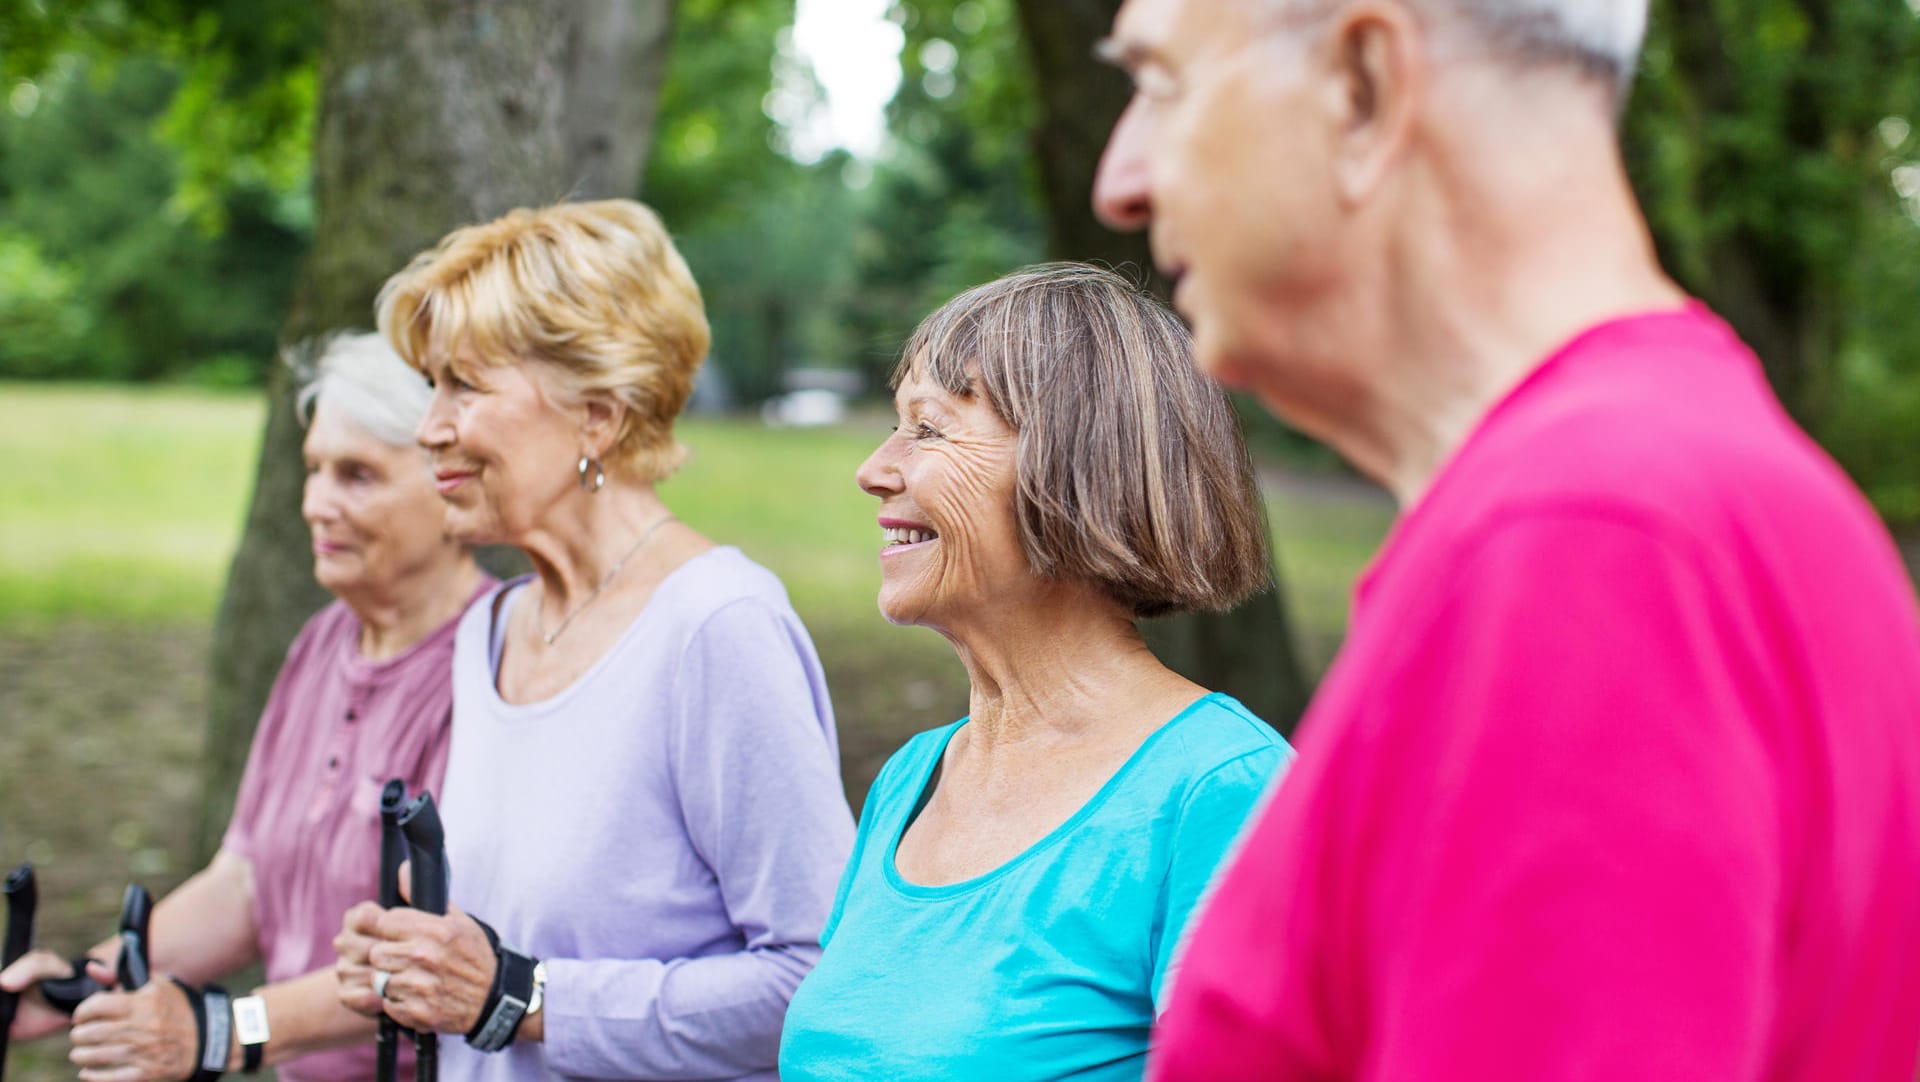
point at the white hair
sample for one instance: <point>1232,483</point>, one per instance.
<point>1600,36</point>
<point>365,381</point>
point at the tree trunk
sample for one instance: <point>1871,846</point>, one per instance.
<point>617,51</point>
<point>432,115</point>
<point>1248,653</point>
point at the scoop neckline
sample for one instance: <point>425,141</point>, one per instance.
<point>558,699</point>
<point>933,892</point>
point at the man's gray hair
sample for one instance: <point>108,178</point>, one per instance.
<point>1601,37</point>
<point>365,381</point>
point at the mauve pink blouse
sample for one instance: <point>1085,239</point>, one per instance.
<point>336,727</point>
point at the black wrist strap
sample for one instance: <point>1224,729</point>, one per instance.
<point>506,1000</point>
<point>213,1029</point>
<point>493,937</point>
<point>250,1056</point>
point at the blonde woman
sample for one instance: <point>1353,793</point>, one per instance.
<point>643,801</point>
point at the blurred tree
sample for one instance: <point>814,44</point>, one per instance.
<point>430,116</point>
<point>1762,137</point>
<point>88,194</point>
<point>765,233</point>
<point>952,203</point>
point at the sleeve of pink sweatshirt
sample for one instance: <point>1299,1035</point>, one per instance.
<point>1588,753</point>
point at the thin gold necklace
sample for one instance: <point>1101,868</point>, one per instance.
<point>538,624</point>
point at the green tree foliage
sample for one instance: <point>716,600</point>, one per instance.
<point>767,236</point>
<point>154,196</point>
<point>104,273</point>
<point>244,107</point>
<point>1763,138</point>
<point>955,201</point>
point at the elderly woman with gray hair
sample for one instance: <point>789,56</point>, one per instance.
<point>365,695</point>
<point>1022,877</point>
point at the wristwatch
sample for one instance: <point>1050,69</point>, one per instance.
<point>250,1026</point>
<point>539,997</point>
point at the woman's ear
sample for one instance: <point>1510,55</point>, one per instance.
<point>603,417</point>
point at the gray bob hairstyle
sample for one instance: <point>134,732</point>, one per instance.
<point>361,377</point>
<point>1130,471</point>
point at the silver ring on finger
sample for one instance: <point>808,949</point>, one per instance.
<point>380,979</point>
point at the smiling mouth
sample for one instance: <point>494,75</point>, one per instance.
<point>896,536</point>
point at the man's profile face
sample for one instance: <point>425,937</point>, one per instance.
<point>1218,155</point>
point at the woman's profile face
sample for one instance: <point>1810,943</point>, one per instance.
<point>371,508</point>
<point>950,549</point>
<point>503,452</point>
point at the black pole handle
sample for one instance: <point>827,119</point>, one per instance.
<point>393,850</point>
<point>63,994</point>
<point>393,841</point>
<point>136,911</point>
<point>427,853</point>
<point>22,898</point>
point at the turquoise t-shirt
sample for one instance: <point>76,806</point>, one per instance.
<point>1051,965</point>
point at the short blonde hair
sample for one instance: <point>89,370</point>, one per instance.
<point>596,291</point>
<point>1130,470</point>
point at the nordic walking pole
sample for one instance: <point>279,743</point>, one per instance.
<point>65,994</point>
<point>393,850</point>
<point>427,857</point>
<point>22,897</point>
<point>136,910</point>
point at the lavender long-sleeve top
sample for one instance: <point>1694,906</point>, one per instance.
<point>667,833</point>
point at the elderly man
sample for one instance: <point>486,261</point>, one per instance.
<point>1618,773</point>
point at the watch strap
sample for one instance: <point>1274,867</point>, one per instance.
<point>250,1026</point>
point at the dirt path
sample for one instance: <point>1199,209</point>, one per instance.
<point>99,737</point>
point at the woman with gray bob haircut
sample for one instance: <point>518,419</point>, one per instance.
<point>365,694</point>
<point>1022,877</point>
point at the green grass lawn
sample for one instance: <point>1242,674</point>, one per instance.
<point>120,503</point>
<point>124,504</point>
<point>788,499</point>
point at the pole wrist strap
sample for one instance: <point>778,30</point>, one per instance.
<point>213,1029</point>
<point>507,1000</point>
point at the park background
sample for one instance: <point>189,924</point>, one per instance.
<point>188,185</point>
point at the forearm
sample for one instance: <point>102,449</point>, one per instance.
<point>304,1016</point>
<point>204,928</point>
<point>689,1018</point>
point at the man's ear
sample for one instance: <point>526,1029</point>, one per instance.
<point>1376,79</point>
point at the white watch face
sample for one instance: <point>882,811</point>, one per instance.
<point>250,1020</point>
<point>539,997</point>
